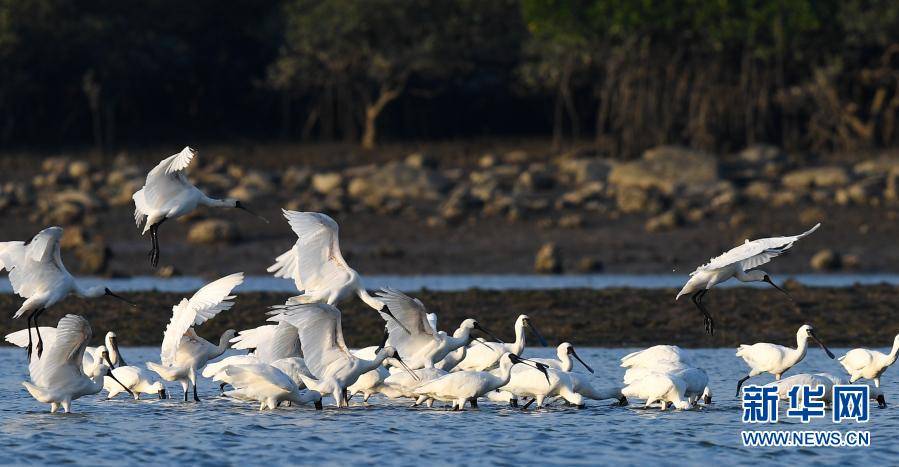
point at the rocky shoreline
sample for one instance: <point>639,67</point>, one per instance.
<point>853,316</point>
<point>489,212</point>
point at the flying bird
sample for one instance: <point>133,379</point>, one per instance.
<point>37,274</point>
<point>317,267</point>
<point>168,194</point>
<point>737,263</point>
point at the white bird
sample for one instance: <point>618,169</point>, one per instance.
<point>737,262</point>
<point>583,385</point>
<point>826,380</point>
<point>57,377</point>
<point>658,386</point>
<point>655,355</point>
<point>527,381</point>
<point>324,350</point>
<point>37,274</point>
<point>563,362</point>
<point>402,384</point>
<point>482,355</point>
<point>168,194</point>
<point>777,359</point>
<point>316,265</point>
<point>111,342</point>
<point>183,352</point>
<point>413,335</point>
<point>266,384</point>
<point>265,344</point>
<point>696,379</point>
<point>133,379</point>
<point>869,364</point>
<point>92,356</point>
<point>467,386</point>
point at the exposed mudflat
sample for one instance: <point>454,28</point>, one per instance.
<point>852,316</point>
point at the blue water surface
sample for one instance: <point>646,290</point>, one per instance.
<point>218,431</point>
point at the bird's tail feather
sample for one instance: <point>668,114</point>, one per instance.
<point>37,392</point>
<point>166,372</point>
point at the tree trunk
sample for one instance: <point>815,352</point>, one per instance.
<point>372,111</point>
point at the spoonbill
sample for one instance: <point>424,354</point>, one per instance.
<point>777,359</point>
<point>316,265</point>
<point>820,379</point>
<point>183,352</point>
<point>482,357</point>
<point>266,384</point>
<point>737,263</point>
<point>413,335</point>
<point>167,194</point>
<point>468,386</point>
<point>111,341</point>
<point>658,386</point>
<point>324,350</point>
<point>565,351</point>
<point>527,381</point>
<point>266,344</point>
<point>696,379</point>
<point>57,378</point>
<point>655,355</point>
<point>583,385</point>
<point>133,379</point>
<point>37,274</point>
<point>869,364</point>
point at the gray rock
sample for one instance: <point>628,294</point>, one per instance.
<point>548,259</point>
<point>325,183</point>
<point>213,231</point>
<point>667,169</point>
<point>816,177</point>
<point>826,260</point>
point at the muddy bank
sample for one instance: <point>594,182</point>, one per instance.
<point>460,209</point>
<point>857,316</point>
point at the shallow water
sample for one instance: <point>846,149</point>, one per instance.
<point>461,282</point>
<point>220,431</point>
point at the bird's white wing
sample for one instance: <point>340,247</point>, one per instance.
<point>72,334</point>
<point>44,244</point>
<point>754,253</point>
<point>320,265</point>
<point>287,266</point>
<point>207,302</point>
<point>167,179</point>
<point>129,376</point>
<point>432,320</point>
<point>242,376</point>
<point>413,314</point>
<point>271,342</point>
<point>20,338</point>
<point>212,369</point>
<point>34,267</point>
<point>320,332</point>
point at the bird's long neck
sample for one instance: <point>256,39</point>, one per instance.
<point>213,203</point>
<point>458,339</point>
<point>504,375</point>
<point>894,352</point>
<point>519,343</point>
<point>567,364</point>
<point>224,344</point>
<point>801,346</point>
<point>368,365</point>
<point>743,276</point>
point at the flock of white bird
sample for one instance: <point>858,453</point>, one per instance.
<point>300,356</point>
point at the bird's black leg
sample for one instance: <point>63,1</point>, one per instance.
<point>697,300</point>
<point>196,398</point>
<point>473,402</point>
<point>40,342</point>
<point>222,388</point>
<point>513,402</point>
<point>185,394</point>
<point>28,350</point>
<point>154,235</point>
<point>740,384</point>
